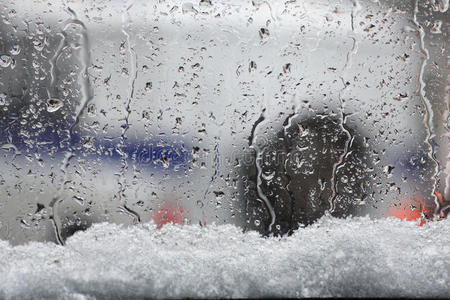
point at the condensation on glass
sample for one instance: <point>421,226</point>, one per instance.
<point>263,114</point>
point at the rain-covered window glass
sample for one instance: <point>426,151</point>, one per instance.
<point>263,114</point>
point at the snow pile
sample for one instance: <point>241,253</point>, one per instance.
<point>354,257</point>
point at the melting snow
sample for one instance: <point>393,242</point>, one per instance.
<point>353,257</point>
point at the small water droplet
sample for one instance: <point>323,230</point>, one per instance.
<point>122,48</point>
<point>344,179</point>
<point>2,99</point>
<point>79,200</point>
<point>436,27</point>
<point>173,9</point>
<point>54,104</point>
<point>219,194</point>
<point>388,170</point>
<point>257,222</point>
<point>252,66</point>
<point>88,142</point>
<point>146,115</point>
<point>205,3</point>
<point>12,13</point>
<point>148,86</point>
<point>91,110</point>
<point>196,66</point>
<point>5,60</point>
<point>264,33</point>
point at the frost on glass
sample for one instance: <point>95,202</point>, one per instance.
<point>263,114</point>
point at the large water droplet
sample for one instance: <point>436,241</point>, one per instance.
<point>54,104</point>
<point>15,50</point>
<point>268,175</point>
<point>5,60</point>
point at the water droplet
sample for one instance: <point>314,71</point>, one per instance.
<point>12,13</point>
<point>15,50</point>
<point>2,99</point>
<point>38,45</point>
<point>436,27</point>
<point>79,200</point>
<point>196,66</point>
<point>443,5</point>
<point>205,3</point>
<point>13,63</point>
<point>91,110</point>
<point>173,9</point>
<point>401,96</point>
<point>148,86</point>
<point>268,176</point>
<point>5,60</point>
<point>388,170</point>
<point>344,179</point>
<point>257,222</point>
<point>252,66</point>
<point>264,33</point>
<point>146,115</point>
<point>54,104</point>
<point>122,48</point>
<point>88,143</point>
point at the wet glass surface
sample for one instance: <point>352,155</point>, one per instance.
<point>263,114</point>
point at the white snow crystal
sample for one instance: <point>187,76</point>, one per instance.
<point>354,257</point>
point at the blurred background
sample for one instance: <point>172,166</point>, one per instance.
<point>262,114</point>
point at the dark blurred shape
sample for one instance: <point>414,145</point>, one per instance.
<point>312,164</point>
